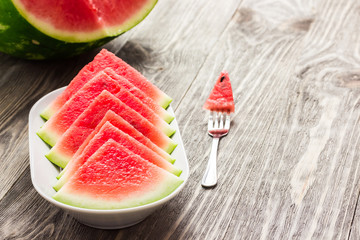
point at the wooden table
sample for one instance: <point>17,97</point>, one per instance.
<point>289,168</point>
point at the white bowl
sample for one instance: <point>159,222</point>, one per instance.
<point>43,176</point>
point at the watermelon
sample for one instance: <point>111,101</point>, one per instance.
<point>115,178</point>
<point>54,128</point>
<point>88,120</point>
<point>221,97</point>
<point>46,29</point>
<point>103,60</point>
<point>106,132</point>
<point>61,121</point>
<point>66,153</point>
<point>149,102</point>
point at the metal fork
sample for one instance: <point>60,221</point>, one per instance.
<point>218,126</point>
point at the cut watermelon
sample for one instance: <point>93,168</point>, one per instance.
<point>101,61</point>
<point>62,28</point>
<point>65,153</point>
<point>149,102</point>
<point>108,131</point>
<point>56,126</point>
<point>221,97</point>
<point>76,134</point>
<point>115,178</point>
<point>61,121</point>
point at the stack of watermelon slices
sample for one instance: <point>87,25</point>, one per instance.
<point>109,130</point>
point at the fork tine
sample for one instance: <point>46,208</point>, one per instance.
<point>216,124</point>
<point>227,122</point>
<point>211,121</point>
<point>221,124</point>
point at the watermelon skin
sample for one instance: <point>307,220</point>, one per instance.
<point>21,39</point>
<point>115,178</point>
<point>64,153</point>
<point>221,97</point>
<point>88,120</point>
<point>107,132</point>
<point>105,59</point>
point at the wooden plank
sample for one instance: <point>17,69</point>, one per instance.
<point>294,170</point>
<point>173,35</point>
<point>355,229</point>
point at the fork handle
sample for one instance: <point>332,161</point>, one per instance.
<point>210,176</point>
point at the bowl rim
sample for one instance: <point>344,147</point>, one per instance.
<point>101,211</point>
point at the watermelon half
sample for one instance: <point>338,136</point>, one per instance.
<point>115,178</point>
<point>107,132</point>
<point>221,97</point>
<point>45,29</point>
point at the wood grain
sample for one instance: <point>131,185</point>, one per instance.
<point>288,169</point>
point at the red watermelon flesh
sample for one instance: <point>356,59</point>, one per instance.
<point>83,20</point>
<point>108,131</point>
<point>61,121</point>
<point>124,126</point>
<point>221,97</point>
<point>114,178</point>
<point>101,61</point>
<point>64,153</point>
<point>76,134</point>
<point>149,102</point>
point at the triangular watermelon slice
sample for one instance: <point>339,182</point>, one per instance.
<point>115,178</point>
<point>103,60</point>
<point>149,102</point>
<point>108,131</point>
<point>76,134</point>
<point>67,153</point>
<point>52,130</point>
<point>221,97</point>
<point>61,121</point>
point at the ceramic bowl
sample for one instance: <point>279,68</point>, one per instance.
<point>43,176</point>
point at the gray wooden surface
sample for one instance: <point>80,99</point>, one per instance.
<point>289,168</point>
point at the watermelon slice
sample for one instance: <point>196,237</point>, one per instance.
<point>54,128</point>
<point>221,97</point>
<point>77,133</point>
<point>44,29</point>
<point>103,60</point>
<point>149,102</point>
<point>64,153</point>
<point>108,131</point>
<point>115,178</point>
<point>61,121</point>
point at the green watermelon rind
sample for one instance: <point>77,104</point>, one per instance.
<point>165,102</point>
<point>21,39</point>
<point>57,159</point>
<point>48,137</point>
<point>47,113</point>
<point>165,188</point>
